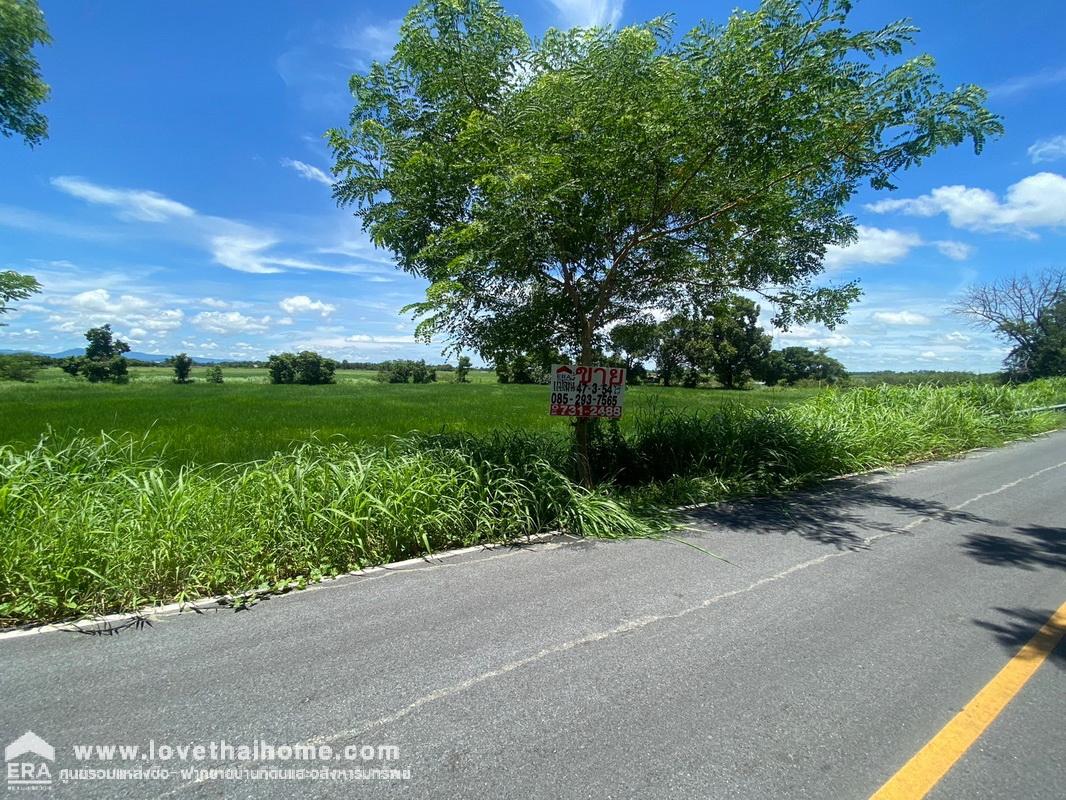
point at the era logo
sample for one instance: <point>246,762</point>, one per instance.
<point>25,759</point>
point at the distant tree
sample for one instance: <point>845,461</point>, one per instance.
<point>794,364</point>
<point>1026,311</point>
<point>214,374</point>
<point>683,349</point>
<point>634,342</point>
<point>406,371</point>
<point>13,285</point>
<point>462,372</point>
<point>306,367</point>
<point>738,346</point>
<point>22,27</point>
<point>18,367</point>
<point>103,360</point>
<point>462,369</point>
<point>182,367</point>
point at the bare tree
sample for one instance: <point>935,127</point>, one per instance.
<point>1018,308</point>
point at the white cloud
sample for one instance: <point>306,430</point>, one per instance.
<point>873,246</point>
<point>374,40</point>
<point>1048,149</point>
<point>1026,83</point>
<point>957,336</point>
<point>134,204</point>
<point>229,322</point>
<point>927,354</point>
<point>243,253</point>
<point>308,171</point>
<point>302,304</point>
<point>589,13</point>
<point>956,251</point>
<point>1033,202</point>
<point>901,318</point>
<point>812,337</point>
<point>212,302</point>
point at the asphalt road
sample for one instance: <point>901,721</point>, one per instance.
<point>854,624</point>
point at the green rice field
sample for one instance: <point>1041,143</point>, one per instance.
<point>247,418</point>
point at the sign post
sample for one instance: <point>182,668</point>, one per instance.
<point>587,392</point>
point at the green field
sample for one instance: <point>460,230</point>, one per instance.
<point>247,418</point>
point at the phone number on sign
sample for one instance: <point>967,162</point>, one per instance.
<point>560,410</point>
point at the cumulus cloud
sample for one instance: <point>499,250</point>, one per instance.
<point>956,251</point>
<point>1038,201</point>
<point>302,304</point>
<point>1048,149</point>
<point>589,13</point>
<point>957,336</point>
<point>873,246</point>
<point>133,204</point>
<point>230,322</point>
<point>308,171</point>
<point>213,302</point>
<point>901,318</point>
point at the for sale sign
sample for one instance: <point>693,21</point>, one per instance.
<point>587,391</point>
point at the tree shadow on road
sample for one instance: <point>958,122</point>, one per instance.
<point>843,515</point>
<point>1021,626</point>
<point>1027,547</point>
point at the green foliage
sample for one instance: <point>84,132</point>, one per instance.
<point>462,371</point>
<point>15,286</point>
<point>214,374</point>
<point>305,367</point>
<point>794,364</point>
<point>548,190</point>
<point>22,91</point>
<point>182,367</point>
<point>1045,356</point>
<point>103,361</point>
<point>19,367</point>
<point>406,371</point>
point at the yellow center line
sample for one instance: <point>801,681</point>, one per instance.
<point>932,762</point>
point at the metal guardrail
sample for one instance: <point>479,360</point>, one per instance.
<point>1059,407</point>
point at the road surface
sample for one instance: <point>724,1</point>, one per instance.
<point>853,625</point>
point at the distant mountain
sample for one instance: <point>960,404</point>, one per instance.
<point>155,358</point>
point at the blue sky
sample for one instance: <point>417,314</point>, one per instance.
<point>182,193</point>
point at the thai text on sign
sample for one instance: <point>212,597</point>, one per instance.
<point>587,391</point>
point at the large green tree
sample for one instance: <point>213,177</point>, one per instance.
<point>22,27</point>
<point>547,190</point>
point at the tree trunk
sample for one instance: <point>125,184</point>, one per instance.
<point>583,425</point>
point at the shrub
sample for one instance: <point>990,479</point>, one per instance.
<point>214,374</point>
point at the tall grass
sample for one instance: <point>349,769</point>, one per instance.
<point>97,524</point>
